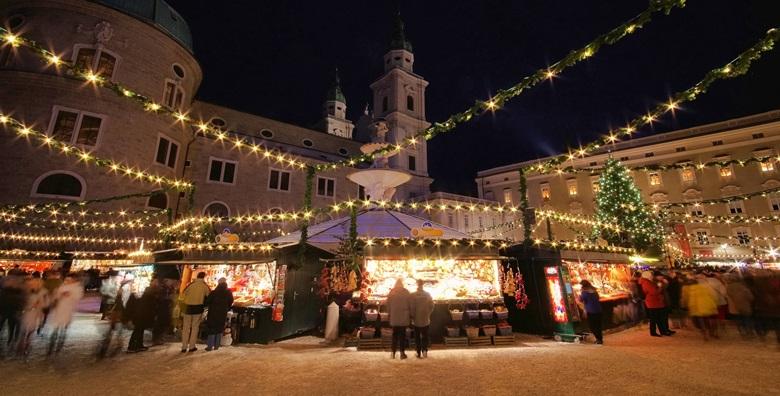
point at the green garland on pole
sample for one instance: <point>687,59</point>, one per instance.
<point>310,173</point>
<point>524,207</point>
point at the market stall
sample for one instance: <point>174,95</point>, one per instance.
<point>28,266</point>
<point>611,276</point>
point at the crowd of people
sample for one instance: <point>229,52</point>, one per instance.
<point>44,304</point>
<point>702,298</point>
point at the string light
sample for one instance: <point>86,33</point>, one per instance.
<point>38,238</point>
<point>111,166</point>
<point>736,67</point>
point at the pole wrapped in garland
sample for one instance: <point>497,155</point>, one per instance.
<point>524,208</point>
<point>572,58</point>
<point>310,173</point>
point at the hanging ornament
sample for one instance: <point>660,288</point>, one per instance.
<point>521,298</point>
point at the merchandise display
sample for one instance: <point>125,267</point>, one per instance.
<point>141,275</point>
<point>101,265</point>
<point>252,284</point>
<point>611,280</point>
<point>446,279</point>
<point>26,266</point>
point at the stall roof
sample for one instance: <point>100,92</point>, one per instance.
<point>371,223</point>
<point>581,255</point>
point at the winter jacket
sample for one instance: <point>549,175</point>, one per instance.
<point>719,288</point>
<point>219,302</point>
<point>194,296</point>
<point>654,295</point>
<point>700,300</point>
<point>65,300</point>
<point>399,307</point>
<point>109,287</point>
<point>32,316</point>
<point>590,299</point>
<point>422,308</point>
<point>740,298</point>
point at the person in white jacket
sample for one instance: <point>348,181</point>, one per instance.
<point>64,300</point>
<point>32,315</point>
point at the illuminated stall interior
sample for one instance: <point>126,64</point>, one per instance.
<point>252,284</point>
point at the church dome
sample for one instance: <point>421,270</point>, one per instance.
<point>157,13</point>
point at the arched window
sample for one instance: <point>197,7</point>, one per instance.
<point>217,209</point>
<point>384,104</point>
<point>59,184</point>
<point>159,201</point>
<point>410,103</point>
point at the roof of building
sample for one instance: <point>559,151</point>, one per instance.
<point>398,40</point>
<point>335,93</point>
<point>700,130</point>
<point>289,137</point>
<point>372,223</point>
<point>157,13</point>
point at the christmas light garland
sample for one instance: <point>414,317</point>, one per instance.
<point>576,219</point>
<point>677,166</point>
<point>713,219</point>
<point>52,59</point>
<point>45,206</point>
<point>584,246</point>
<point>714,201</point>
<point>739,66</point>
<point>110,166</point>
<point>141,222</point>
<point>572,58</point>
<point>54,239</point>
<point>229,247</point>
<point>31,210</point>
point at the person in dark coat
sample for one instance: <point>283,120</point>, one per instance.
<point>12,301</point>
<point>218,302</point>
<point>141,311</point>
<point>589,297</point>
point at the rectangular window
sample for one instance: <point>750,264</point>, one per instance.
<point>167,151</point>
<point>774,204</point>
<point>743,237</point>
<point>624,158</point>
<point>697,211</point>
<point>95,60</point>
<point>326,187</point>
<point>279,180</point>
<point>222,171</point>
<point>412,163</point>
<point>594,183</point>
<point>702,237</point>
<point>593,164</point>
<point>768,166</point>
<point>507,195</point>
<point>655,179</point>
<point>173,95</point>
<point>571,186</point>
<point>736,207</point>
<point>545,191</point>
<point>679,149</point>
<point>725,172</point>
<point>361,193</point>
<point>75,127</point>
<point>466,221</point>
<point>758,135</point>
<point>688,176</point>
<point>717,143</point>
<point>450,220</point>
<point>650,154</point>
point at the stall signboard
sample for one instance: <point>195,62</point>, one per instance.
<point>557,300</point>
<point>227,237</point>
<point>281,280</point>
<point>426,231</point>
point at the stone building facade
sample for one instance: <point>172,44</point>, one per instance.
<point>147,46</point>
<point>755,136</point>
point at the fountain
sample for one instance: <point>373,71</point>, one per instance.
<point>379,181</point>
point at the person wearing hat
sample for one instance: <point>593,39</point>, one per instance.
<point>655,304</point>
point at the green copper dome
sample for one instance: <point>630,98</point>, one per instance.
<point>334,93</point>
<point>398,40</point>
<point>157,13</point>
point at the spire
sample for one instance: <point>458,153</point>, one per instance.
<point>398,40</point>
<point>335,94</point>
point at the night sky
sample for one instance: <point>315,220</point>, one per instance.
<point>276,59</point>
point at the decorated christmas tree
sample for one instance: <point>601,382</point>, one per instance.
<point>619,202</point>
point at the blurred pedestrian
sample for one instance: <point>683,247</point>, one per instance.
<point>589,297</point>
<point>11,304</point>
<point>702,306</point>
<point>399,310</point>
<point>37,298</point>
<point>114,332</point>
<point>422,308</point>
<point>194,297</point>
<point>51,281</point>
<point>165,291</point>
<point>64,303</point>
<point>141,310</point>
<point>740,300</point>
<point>219,302</point>
<point>109,287</point>
<point>654,302</point>
<point>719,289</point>
<point>767,304</point>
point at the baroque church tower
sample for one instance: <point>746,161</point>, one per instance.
<point>335,112</point>
<point>399,99</point>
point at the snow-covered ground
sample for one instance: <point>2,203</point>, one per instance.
<point>630,362</point>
